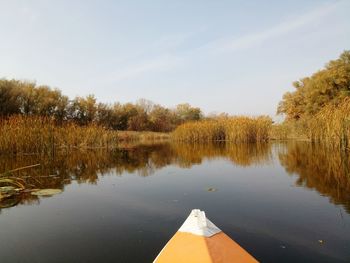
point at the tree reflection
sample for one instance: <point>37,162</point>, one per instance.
<point>319,168</point>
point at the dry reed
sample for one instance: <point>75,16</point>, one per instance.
<point>20,134</point>
<point>32,134</point>
<point>234,129</point>
<point>146,136</point>
<point>331,126</point>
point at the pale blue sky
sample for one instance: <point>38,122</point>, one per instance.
<point>233,56</point>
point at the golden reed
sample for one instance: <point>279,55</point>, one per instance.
<point>20,134</point>
<point>33,134</point>
<point>331,126</point>
<point>233,129</point>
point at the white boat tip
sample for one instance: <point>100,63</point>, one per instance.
<point>197,224</point>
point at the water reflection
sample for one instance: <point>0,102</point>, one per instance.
<point>317,168</point>
<point>320,169</point>
<point>239,154</point>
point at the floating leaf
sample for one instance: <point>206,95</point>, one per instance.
<point>30,190</point>
<point>14,182</point>
<point>6,189</point>
<point>46,192</point>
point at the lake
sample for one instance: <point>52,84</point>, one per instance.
<point>282,202</point>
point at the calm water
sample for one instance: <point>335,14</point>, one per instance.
<point>282,202</point>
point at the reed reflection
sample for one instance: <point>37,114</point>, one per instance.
<point>319,168</point>
<point>316,167</point>
<point>85,166</point>
<point>240,154</point>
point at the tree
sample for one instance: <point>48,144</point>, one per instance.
<point>330,85</point>
<point>185,112</point>
<point>9,97</point>
<point>83,110</point>
<point>27,98</point>
<point>139,120</point>
<point>123,113</point>
<point>161,119</point>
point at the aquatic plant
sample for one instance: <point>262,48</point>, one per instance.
<point>146,136</point>
<point>291,130</point>
<point>331,126</point>
<point>234,129</point>
<point>42,135</point>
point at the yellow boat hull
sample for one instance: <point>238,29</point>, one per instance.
<point>198,240</point>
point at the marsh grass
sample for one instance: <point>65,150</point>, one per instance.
<point>331,126</point>
<point>21,134</point>
<point>291,130</point>
<point>233,129</point>
<point>146,136</point>
<point>41,135</point>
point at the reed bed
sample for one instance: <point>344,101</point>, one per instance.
<point>19,134</point>
<point>41,135</point>
<point>291,130</point>
<point>233,129</point>
<point>146,136</point>
<point>331,126</point>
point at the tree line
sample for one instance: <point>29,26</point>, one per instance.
<point>29,99</point>
<point>319,107</point>
<point>330,85</point>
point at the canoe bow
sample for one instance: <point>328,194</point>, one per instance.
<point>199,240</point>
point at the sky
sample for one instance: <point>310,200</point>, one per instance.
<point>237,57</point>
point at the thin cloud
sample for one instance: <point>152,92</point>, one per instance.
<point>166,62</point>
<point>157,64</point>
<point>161,63</point>
<point>171,41</point>
<point>254,39</point>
